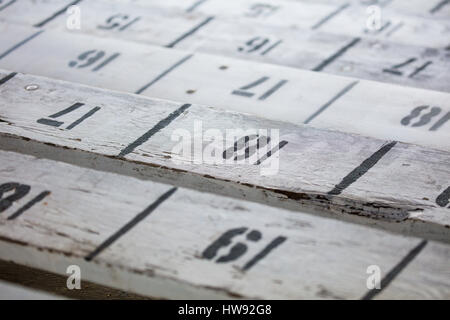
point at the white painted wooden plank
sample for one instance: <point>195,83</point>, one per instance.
<point>369,58</point>
<point>336,173</point>
<point>435,9</point>
<point>364,107</point>
<point>346,18</point>
<point>164,254</point>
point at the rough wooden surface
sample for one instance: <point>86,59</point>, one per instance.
<point>284,37</point>
<point>337,173</point>
<point>164,254</point>
<point>241,62</point>
<point>346,104</point>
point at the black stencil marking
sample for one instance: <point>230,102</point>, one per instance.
<point>394,29</point>
<point>275,243</point>
<point>195,5</point>
<point>7,5</point>
<point>329,103</point>
<point>396,270</point>
<point>141,216</point>
<point>330,16</point>
<point>50,122</point>
<point>104,63</point>
<point>56,14</point>
<point>271,47</point>
<point>271,152</point>
<point>362,169</point>
<point>20,191</point>
<point>7,78</point>
<point>439,6</point>
<point>84,117</point>
<point>444,198</point>
<point>29,204</point>
<point>73,107</point>
<point>21,43</point>
<point>336,55</point>
<point>189,33</point>
<point>163,74</point>
<point>159,126</point>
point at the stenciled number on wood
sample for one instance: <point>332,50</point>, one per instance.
<point>90,58</point>
<point>426,117</point>
<point>260,45</point>
<point>240,248</point>
<point>395,69</point>
<point>75,106</point>
<point>444,198</point>
<point>261,10</point>
<point>242,91</point>
<point>251,143</point>
<point>11,192</point>
<point>118,22</point>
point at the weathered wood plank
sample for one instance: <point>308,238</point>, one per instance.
<point>368,108</point>
<point>345,18</point>
<point>164,255</point>
<point>340,174</point>
<point>370,56</point>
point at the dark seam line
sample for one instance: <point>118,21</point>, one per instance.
<point>163,74</point>
<point>190,32</point>
<point>7,78</point>
<point>275,243</point>
<point>7,5</point>
<point>56,14</point>
<point>195,5</point>
<point>159,126</point>
<point>329,103</point>
<point>132,223</point>
<point>331,15</point>
<point>4,54</point>
<point>339,53</point>
<point>362,169</point>
<point>439,6</point>
<point>87,115</point>
<point>29,204</point>
<point>396,271</point>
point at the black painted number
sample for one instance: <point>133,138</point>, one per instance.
<point>261,10</point>
<point>243,91</point>
<point>11,192</point>
<point>396,69</point>
<point>92,58</point>
<point>240,248</point>
<point>428,115</point>
<point>444,198</point>
<point>75,106</point>
<point>259,45</point>
<point>118,22</point>
<point>250,144</point>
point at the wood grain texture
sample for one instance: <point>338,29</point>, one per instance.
<point>162,255</point>
<point>344,104</point>
<point>283,43</point>
<point>338,173</point>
